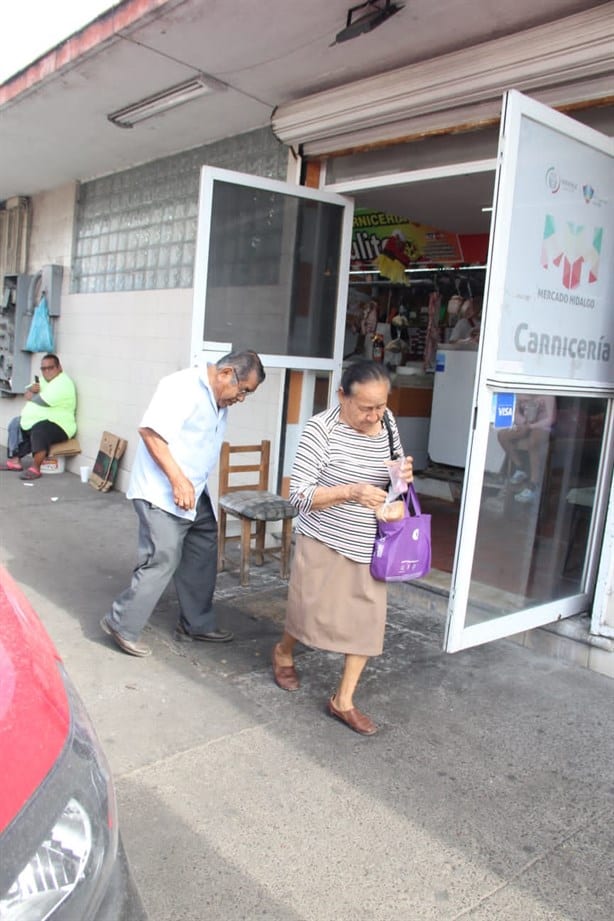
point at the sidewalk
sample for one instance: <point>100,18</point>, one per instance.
<point>488,793</point>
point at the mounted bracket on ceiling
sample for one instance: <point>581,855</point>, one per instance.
<point>378,12</point>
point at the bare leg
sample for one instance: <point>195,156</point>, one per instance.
<point>282,660</point>
<point>538,447</point>
<point>352,670</point>
<point>38,458</point>
<point>507,439</point>
<point>285,648</point>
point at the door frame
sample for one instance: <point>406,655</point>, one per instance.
<point>201,349</point>
<point>493,375</point>
<point>457,635</point>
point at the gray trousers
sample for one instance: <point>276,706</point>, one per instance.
<point>169,547</point>
<point>13,436</point>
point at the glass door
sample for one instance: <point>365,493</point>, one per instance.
<point>271,272</point>
<point>528,537</point>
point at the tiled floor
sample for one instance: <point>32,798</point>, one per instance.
<point>569,639</point>
<point>444,525</point>
<point>510,537</point>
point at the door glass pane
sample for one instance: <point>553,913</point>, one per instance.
<point>535,513</point>
<point>273,271</point>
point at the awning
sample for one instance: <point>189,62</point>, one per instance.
<point>565,64</point>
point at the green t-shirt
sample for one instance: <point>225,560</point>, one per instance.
<point>61,398</point>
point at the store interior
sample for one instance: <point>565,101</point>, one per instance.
<point>416,285</point>
<point>403,309</point>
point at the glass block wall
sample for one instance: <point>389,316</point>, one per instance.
<point>136,229</point>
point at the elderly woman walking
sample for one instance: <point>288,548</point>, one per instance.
<point>339,480</point>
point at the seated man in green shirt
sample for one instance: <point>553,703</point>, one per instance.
<point>47,418</point>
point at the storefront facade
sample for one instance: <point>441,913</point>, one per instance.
<point>377,162</point>
<point>132,308</point>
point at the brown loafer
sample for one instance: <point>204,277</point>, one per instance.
<point>285,675</point>
<point>353,718</point>
<point>133,649</point>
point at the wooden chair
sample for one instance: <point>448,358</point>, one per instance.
<point>252,503</point>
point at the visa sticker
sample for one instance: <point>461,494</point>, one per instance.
<point>504,405</point>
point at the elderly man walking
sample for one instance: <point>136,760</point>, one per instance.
<point>181,436</point>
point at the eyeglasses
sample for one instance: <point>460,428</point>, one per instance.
<point>48,367</point>
<point>243,392</point>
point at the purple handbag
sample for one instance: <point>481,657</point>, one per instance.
<point>402,549</point>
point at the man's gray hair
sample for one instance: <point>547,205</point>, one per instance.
<point>243,363</point>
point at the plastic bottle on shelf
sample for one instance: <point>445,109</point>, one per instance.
<point>378,348</point>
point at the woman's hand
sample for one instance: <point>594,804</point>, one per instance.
<point>367,495</point>
<point>407,469</point>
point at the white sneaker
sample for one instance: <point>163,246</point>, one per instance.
<point>526,495</point>
<point>518,477</point>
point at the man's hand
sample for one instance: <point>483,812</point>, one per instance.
<point>183,492</point>
<point>32,390</point>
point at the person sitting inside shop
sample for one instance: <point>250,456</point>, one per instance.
<point>467,328</point>
<point>529,437</point>
<point>368,327</point>
<point>47,418</point>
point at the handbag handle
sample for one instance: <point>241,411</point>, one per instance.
<point>411,492</point>
<point>413,495</point>
<point>386,421</point>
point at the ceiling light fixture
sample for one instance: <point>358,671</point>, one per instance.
<point>378,12</point>
<point>166,99</point>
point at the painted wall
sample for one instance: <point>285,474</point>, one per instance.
<point>116,347</point>
<point>51,239</point>
<point>117,340</point>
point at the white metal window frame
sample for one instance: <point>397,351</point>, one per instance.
<point>202,350</point>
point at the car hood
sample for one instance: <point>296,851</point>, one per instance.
<point>34,710</point>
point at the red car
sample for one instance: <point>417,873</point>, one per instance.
<point>61,856</point>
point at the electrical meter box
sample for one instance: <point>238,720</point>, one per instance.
<point>51,285</point>
<point>19,297</point>
<point>14,324</point>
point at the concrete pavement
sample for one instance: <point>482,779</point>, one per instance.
<point>488,793</point>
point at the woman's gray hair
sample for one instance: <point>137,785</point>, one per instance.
<point>243,363</point>
<point>359,372</point>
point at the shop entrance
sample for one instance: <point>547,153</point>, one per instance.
<point>518,527</point>
<point>516,522</point>
<point>433,397</point>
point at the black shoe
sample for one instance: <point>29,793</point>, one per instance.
<point>133,649</point>
<point>214,636</point>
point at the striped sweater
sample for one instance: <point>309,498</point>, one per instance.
<point>331,453</point>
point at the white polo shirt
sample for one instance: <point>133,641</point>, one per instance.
<point>183,411</point>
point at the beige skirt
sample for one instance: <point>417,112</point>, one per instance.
<point>334,603</point>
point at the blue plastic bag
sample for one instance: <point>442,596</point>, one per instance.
<point>40,336</point>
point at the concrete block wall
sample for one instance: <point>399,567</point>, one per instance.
<point>117,343</point>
